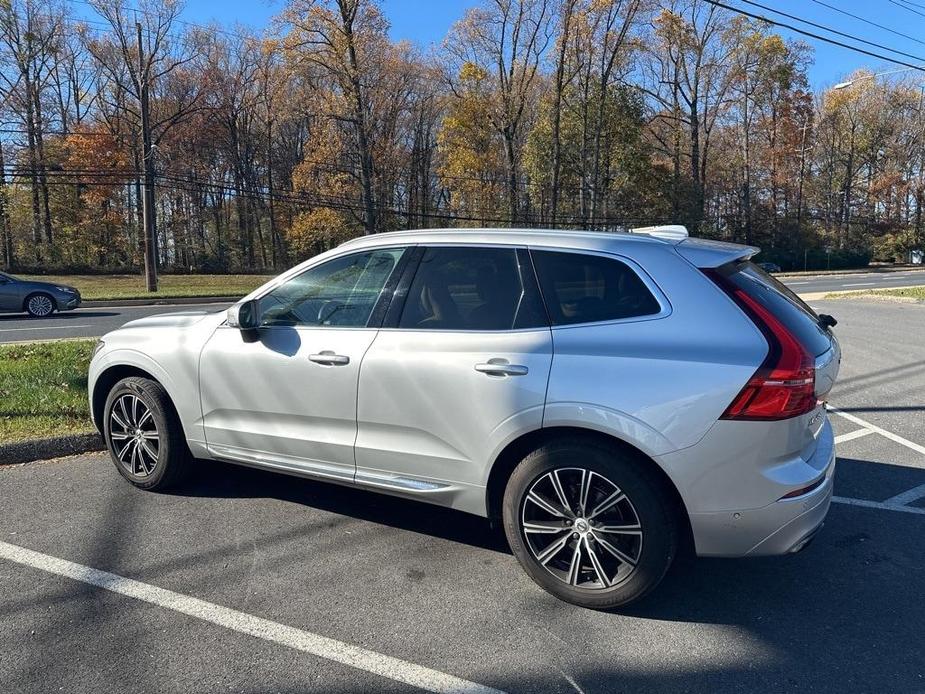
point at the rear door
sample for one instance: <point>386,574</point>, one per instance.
<point>459,370</point>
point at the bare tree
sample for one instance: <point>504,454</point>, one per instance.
<point>506,39</point>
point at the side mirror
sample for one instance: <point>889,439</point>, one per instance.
<point>243,316</point>
<point>827,321</point>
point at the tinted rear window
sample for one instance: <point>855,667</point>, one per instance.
<point>581,288</point>
<point>783,304</point>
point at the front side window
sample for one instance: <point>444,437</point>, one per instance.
<point>469,288</point>
<point>339,293</point>
<point>582,288</point>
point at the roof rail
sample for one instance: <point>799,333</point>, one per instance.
<point>670,232</point>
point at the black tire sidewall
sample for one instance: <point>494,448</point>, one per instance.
<point>645,491</point>
<point>154,398</point>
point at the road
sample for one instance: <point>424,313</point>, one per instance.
<point>263,569</point>
<point>807,284</point>
<point>84,322</point>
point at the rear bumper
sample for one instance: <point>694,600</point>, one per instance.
<point>779,528</point>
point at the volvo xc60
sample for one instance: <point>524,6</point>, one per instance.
<point>609,398</point>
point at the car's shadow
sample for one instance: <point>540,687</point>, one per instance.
<point>838,612</point>
<point>223,480</point>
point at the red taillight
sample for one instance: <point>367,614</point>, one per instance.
<point>784,384</point>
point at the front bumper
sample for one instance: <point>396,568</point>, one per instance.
<point>69,302</point>
<point>779,528</point>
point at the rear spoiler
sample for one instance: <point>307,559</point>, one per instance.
<point>704,253</point>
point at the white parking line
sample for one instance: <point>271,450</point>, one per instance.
<point>907,497</point>
<point>879,505</point>
<point>43,327</point>
<point>894,503</point>
<point>859,284</point>
<point>850,436</point>
<point>878,430</point>
<point>298,639</point>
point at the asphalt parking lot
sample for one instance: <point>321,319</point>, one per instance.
<point>246,581</point>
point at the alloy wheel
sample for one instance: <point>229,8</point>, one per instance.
<point>134,436</point>
<point>582,528</point>
<point>40,305</point>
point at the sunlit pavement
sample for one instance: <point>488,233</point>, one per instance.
<point>280,584</point>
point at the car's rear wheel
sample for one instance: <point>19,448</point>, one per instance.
<point>590,523</point>
<point>144,435</point>
<point>39,305</point>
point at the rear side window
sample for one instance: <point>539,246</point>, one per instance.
<point>469,288</point>
<point>783,304</point>
<point>581,288</point>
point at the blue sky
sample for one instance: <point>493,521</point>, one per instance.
<point>427,21</point>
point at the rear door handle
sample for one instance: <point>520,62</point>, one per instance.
<point>328,358</point>
<point>502,368</point>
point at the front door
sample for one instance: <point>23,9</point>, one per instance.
<point>10,294</point>
<point>285,396</point>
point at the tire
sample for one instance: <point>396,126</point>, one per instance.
<point>39,305</point>
<point>642,525</point>
<point>144,435</point>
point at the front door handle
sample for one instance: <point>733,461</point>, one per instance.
<point>500,367</point>
<point>328,358</point>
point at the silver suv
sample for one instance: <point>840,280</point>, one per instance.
<point>610,398</point>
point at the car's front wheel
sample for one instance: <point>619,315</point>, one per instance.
<point>590,523</point>
<point>39,305</point>
<point>144,435</point>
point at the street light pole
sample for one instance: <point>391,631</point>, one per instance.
<point>845,85</point>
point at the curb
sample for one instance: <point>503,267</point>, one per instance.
<point>165,301</point>
<point>43,449</point>
<point>850,293</point>
<point>870,270</point>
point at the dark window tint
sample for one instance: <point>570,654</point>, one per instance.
<point>581,288</point>
<point>339,293</point>
<point>783,304</point>
<point>469,288</point>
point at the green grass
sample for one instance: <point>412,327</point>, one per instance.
<point>917,293</point>
<point>43,389</point>
<point>102,287</point>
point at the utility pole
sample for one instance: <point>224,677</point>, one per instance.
<point>147,159</point>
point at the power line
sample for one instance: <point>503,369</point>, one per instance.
<point>867,21</point>
<point>814,36</point>
<point>836,31</point>
<point>177,19</point>
<point>905,7</point>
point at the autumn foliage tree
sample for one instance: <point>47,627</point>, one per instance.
<point>598,114</point>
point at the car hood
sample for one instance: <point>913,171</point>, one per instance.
<point>51,286</point>
<point>177,319</point>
